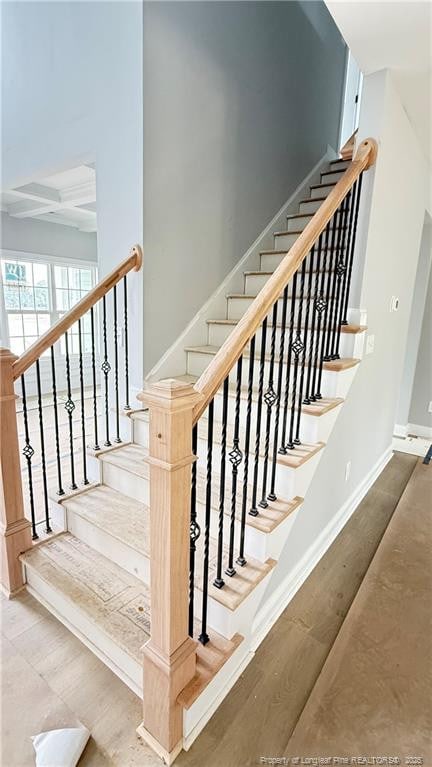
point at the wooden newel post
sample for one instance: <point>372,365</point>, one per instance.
<point>14,527</point>
<point>170,654</point>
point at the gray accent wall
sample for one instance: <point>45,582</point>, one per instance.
<point>241,99</point>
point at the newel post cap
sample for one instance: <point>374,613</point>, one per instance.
<point>170,394</point>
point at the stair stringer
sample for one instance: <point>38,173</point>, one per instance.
<point>261,616</point>
<point>195,332</point>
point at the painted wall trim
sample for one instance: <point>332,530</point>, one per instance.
<point>195,333</point>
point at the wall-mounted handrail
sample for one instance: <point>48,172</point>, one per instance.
<point>228,354</point>
<point>34,352</point>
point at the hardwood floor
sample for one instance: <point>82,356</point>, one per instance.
<point>44,665</point>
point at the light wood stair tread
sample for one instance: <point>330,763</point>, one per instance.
<point>335,365</point>
<point>209,660</point>
<point>351,329</point>
<point>130,457</point>
<point>300,454</point>
<point>120,516</point>
<point>110,597</point>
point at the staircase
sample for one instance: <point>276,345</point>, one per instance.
<point>248,417</point>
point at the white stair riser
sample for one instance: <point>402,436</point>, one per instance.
<point>331,178</point>
<point>269,262</point>
<point>297,223</point>
<point>287,239</point>
<point>122,664</point>
<point>141,432</point>
<point>131,560</point>
<point>321,191</point>
<point>125,482</point>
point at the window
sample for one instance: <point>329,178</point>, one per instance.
<point>37,294</point>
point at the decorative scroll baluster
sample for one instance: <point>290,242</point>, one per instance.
<point>253,511</point>
<point>28,453</point>
<point>195,532</point>
<point>270,398</point>
<point>116,372</point>
<point>60,490</point>
<point>351,255</point>
<point>93,358</point>
<point>235,456</point>
<point>283,448</point>
<point>105,367</point>
<point>42,444</point>
<point>297,347</point>
<point>316,315</point>
<point>204,637</point>
<point>272,494</point>
<point>70,407</point>
<point>83,432</point>
<point>335,255</point>
<point>324,311</point>
<point>126,343</point>
<point>219,581</point>
<point>305,346</point>
<point>241,557</point>
<point>341,267</point>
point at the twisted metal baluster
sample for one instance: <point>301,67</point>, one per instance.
<point>282,448</point>
<point>305,345</point>
<point>314,339</point>
<point>105,367</point>
<point>241,557</point>
<point>335,255</point>
<point>83,433</point>
<point>324,304</point>
<point>70,407</point>
<point>95,413</point>
<point>297,348</point>
<point>60,490</point>
<point>253,511</point>
<point>270,398</point>
<point>194,531</point>
<point>272,494</point>
<point>42,443</point>
<point>126,346</point>
<point>351,257</point>
<point>204,637</point>
<point>219,581</point>
<point>235,456</point>
<point>341,268</point>
<point>116,373</point>
<point>28,453</point>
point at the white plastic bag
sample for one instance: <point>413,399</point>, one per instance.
<point>60,748</point>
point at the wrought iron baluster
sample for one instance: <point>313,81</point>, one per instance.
<point>93,358</point>
<point>204,637</point>
<point>270,399</point>
<point>83,431</point>
<point>195,531</point>
<point>60,490</point>
<point>126,343</point>
<point>272,494</point>
<point>314,333</point>
<point>351,255</point>
<point>28,453</point>
<point>70,407</point>
<point>42,444</point>
<point>335,255</point>
<point>325,312</point>
<point>235,456</point>
<point>341,269</point>
<point>116,372</point>
<point>297,348</point>
<point>106,367</point>
<point>253,511</point>
<point>241,557</point>
<point>305,345</point>
<point>219,581</point>
<point>320,306</point>
<point>282,448</point>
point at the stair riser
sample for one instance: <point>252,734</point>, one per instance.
<point>297,223</point>
<point>321,191</point>
<point>337,165</point>
<point>129,559</point>
<point>269,262</point>
<point>256,542</point>
<point>287,240</point>
<point>310,206</point>
<point>330,178</point>
<point>87,631</point>
<point>125,482</point>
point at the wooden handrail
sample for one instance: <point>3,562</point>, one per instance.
<point>133,261</point>
<point>228,354</point>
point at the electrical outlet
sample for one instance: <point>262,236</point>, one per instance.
<point>430,407</point>
<point>347,471</point>
<point>370,343</point>
<point>394,304</point>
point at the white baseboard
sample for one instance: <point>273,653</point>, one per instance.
<point>283,594</point>
<point>417,430</point>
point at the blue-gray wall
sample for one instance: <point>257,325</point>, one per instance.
<point>241,100</point>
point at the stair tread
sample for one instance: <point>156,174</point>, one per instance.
<point>131,457</point>
<point>124,518</point>
<point>350,329</point>
<point>210,659</point>
<point>117,602</point>
<point>317,186</point>
<point>301,454</point>
<point>341,364</point>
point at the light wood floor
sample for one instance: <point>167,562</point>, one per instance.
<point>49,679</point>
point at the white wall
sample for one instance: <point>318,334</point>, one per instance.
<point>419,416</point>
<point>363,432</point>
<point>72,93</point>
<point>41,237</point>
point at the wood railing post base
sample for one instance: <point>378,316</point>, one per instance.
<point>14,527</point>
<point>170,654</point>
